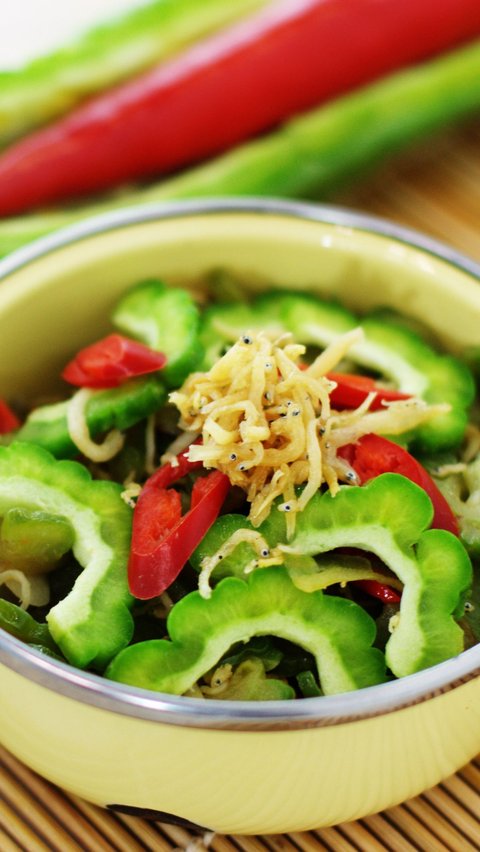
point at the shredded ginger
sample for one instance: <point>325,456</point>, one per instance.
<point>266,421</point>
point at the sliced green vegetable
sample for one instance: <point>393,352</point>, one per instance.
<point>165,319</point>
<point>337,632</point>
<point>221,530</point>
<point>261,648</point>
<point>307,573</point>
<point>128,44</point>
<point>311,319</point>
<point>470,508</point>
<point>395,351</point>
<point>401,355</point>
<point>44,649</point>
<point>308,685</point>
<point>93,622</point>
<point>470,620</point>
<point>33,541</point>
<point>390,518</point>
<point>117,408</point>
<point>462,492</point>
<point>312,154</point>
<point>17,622</point>
<point>222,325</point>
<point>310,574</point>
<point>249,682</point>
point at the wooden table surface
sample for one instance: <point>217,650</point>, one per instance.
<point>435,188</point>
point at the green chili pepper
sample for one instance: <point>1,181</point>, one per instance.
<point>394,351</point>
<point>390,518</point>
<point>313,154</point>
<point>337,632</point>
<point>20,624</point>
<point>52,85</point>
<point>93,621</point>
<point>165,319</point>
<point>118,408</point>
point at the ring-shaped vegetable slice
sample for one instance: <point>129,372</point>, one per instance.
<point>117,408</point>
<point>336,631</point>
<point>92,623</point>
<point>395,352</point>
<point>165,319</point>
<point>388,517</point>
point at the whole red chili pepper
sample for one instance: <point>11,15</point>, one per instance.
<point>281,61</point>
<point>162,538</point>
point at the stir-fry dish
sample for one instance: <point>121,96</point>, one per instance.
<point>252,500</point>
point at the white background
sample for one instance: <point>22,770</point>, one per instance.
<point>29,28</point>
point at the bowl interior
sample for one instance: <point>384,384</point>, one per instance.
<point>62,299</point>
<point>59,296</point>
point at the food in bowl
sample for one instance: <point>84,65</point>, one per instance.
<point>307,530</point>
<point>244,767</point>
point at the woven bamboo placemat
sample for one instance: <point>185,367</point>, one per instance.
<point>434,188</point>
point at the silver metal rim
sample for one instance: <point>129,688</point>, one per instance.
<point>142,704</point>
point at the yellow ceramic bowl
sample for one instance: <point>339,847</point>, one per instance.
<point>246,768</point>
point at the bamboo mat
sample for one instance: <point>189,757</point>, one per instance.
<point>434,188</point>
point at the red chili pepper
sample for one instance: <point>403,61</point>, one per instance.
<point>112,361</point>
<point>281,61</point>
<point>168,474</point>
<point>373,455</point>
<point>378,590</point>
<point>163,539</point>
<point>8,420</point>
<point>352,390</point>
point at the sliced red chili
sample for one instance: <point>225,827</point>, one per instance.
<point>352,390</point>
<point>111,361</point>
<point>8,419</point>
<point>373,455</point>
<point>378,590</point>
<point>163,539</point>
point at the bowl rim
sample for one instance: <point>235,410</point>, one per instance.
<point>143,704</point>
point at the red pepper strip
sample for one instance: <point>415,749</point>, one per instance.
<point>112,361</point>
<point>168,474</point>
<point>352,390</point>
<point>378,590</point>
<point>8,420</point>
<point>285,59</point>
<point>160,549</point>
<point>373,455</point>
